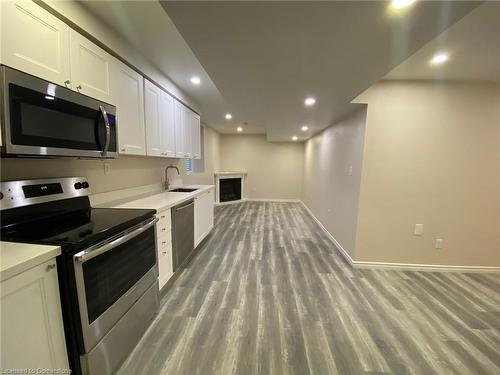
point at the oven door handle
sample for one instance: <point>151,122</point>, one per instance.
<point>108,130</point>
<point>90,253</point>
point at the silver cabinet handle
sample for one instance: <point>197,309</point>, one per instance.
<point>124,149</point>
<point>78,88</point>
<point>67,82</point>
<point>164,253</point>
<point>108,130</point>
<point>50,267</point>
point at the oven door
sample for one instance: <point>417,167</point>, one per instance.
<point>44,119</point>
<point>111,277</point>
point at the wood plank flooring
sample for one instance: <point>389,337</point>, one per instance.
<point>268,293</point>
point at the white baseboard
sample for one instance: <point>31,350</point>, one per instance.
<point>273,200</point>
<point>258,200</point>
<point>399,266</point>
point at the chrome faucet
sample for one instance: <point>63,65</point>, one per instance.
<point>167,182</point>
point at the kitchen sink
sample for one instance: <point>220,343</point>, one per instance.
<point>182,190</point>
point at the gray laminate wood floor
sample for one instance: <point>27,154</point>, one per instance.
<point>269,294</point>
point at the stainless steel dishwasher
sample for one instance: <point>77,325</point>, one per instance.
<point>183,232</point>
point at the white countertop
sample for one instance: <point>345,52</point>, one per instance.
<point>160,201</point>
<point>19,257</point>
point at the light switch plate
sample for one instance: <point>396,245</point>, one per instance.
<point>439,243</point>
<point>419,229</point>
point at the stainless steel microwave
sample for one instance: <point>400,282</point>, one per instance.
<point>42,119</point>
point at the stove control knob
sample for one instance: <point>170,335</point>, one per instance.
<point>78,185</point>
<point>85,185</point>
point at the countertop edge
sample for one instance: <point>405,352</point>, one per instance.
<point>27,258</point>
<point>132,203</point>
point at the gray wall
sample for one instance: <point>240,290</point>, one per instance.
<point>329,190</point>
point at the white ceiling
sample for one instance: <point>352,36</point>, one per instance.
<point>473,46</point>
<point>259,60</point>
<point>147,27</point>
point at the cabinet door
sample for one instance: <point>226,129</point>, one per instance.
<point>90,68</point>
<point>31,320</point>
<point>188,133</point>
<point>196,137</point>
<point>152,95</point>
<point>179,128</point>
<point>127,90</point>
<point>167,125</point>
<point>34,41</point>
<point>203,215</point>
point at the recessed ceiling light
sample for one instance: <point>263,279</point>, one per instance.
<point>195,80</point>
<point>228,116</point>
<point>399,4</point>
<point>294,138</point>
<point>309,101</point>
<point>304,128</point>
<point>439,58</point>
<point>239,128</point>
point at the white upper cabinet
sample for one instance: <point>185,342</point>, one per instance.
<point>167,125</point>
<point>127,91</point>
<point>152,104</point>
<point>196,136</point>
<point>179,128</point>
<point>34,41</point>
<point>188,132</point>
<point>90,68</point>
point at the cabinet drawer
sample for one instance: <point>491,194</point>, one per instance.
<point>165,240</point>
<point>164,219</point>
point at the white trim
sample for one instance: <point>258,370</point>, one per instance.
<point>273,200</point>
<point>259,200</point>
<point>343,251</point>
<point>399,266</point>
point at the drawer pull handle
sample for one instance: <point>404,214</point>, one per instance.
<point>50,267</point>
<point>164,253</point>
<point>163,229</point>
<point>163,242</point>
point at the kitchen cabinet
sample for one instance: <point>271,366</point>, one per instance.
<point>196,137</point>
<point>164,248</point>
<point>90,68</point>
<point>203,215</point>
<point>31,320</point>
<point>179,113</point>
<point>167,125</point>
<point>152,104</point>
<point>188,132</point>
<point>127,89</point>
<point>34,41</point>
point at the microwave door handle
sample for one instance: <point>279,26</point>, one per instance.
<point>88,254</point>
<point>108,130</point>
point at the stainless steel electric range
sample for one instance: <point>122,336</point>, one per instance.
<point>107,269</point>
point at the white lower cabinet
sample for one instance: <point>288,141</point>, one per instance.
<point>203,215</point>
<point>164,241</point>
<point>31,320</point>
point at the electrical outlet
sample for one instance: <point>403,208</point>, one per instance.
<point>439,243</point>
<point>350,170</point>
<point>419,229</point>
<point>107,168</point>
